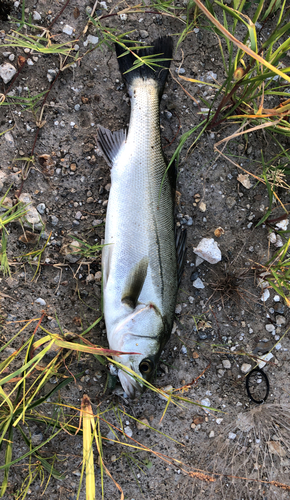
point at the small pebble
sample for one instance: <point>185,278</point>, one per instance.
<point>265,295</point>
<point>211,434</point>
<point>232,435</point>
<point>226,364</point>
<point>68,30</point>
<point>191,299</point>
<point>78,215</point>
<point>40,301</point>
<point>41,208</point>
<point>246,367</point>
<point>270,328</point>
<point>280,320</point>
<point>198,283</point>
<point>180,71</point>
<point>178,309</point>
<point>7,71</point>
<point>54,220</point>
<point>205,402</point>
<point>36,16</point>
<point>141,425</point>
<point>128,431</point>
<point>266,357</point>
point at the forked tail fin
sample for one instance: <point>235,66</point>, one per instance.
<point>161,48</point>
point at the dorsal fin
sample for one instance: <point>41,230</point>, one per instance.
<point>135,282</point>
<point>110,143</point>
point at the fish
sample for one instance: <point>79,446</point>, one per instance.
<point>140,263</point>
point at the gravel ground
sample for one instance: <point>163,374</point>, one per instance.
<point>220,316</point>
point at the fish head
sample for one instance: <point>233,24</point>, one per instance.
<point>141,332</point>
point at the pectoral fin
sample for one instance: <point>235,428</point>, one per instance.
<point>135,282</point>
<point>110,143</point>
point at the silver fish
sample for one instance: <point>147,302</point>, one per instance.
<point>139,262</point>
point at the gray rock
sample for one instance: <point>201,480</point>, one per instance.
<point>41,208</point>
<point>202,335</point>
<point>37,438</point>
<point>280,320</point>
<point>167,114</point>
<point>180,71</point>
<point>144,34</point>
<point>226,364</point>
<point>78,215</point>
<point>279,308</point>
<point>54,220</point>
<point>7,71</point>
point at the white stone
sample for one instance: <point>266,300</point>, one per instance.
<point>272,237</point>
<point>276,298</point>
<point>36,16</point>
<point>226,364</point>
<point>282,225</point>
<point>178,309</point>
<point>208,250</point>
<point>280,320</point>
<point>279,242</point>
<point>11,57</point>
<point>278,346</point>
<point>92,39</point>
<point>7,71</point>
<point>219,421</point>
<point>270,328</point>
<point>266,357</point>
<point>211,434</point>
<point>68,30</point>
<point>40,301</point>
<point>128,431</point>
<point>198,283</point>
<point>123,17</point>
<point>30,62</point>
<point>191,299</point>
<point>265,295</point>
<point>246,367</point>
<point>232,435</point>
<point>104,5</point>
<point>165,392</point>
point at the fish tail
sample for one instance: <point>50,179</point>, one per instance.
<point>161,48</point>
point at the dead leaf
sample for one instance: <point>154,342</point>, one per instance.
<point>198,419</point>
<point>20,61</point>
<point>195,355</point>
<point>276,448</point>
<point>245,180</point>
<point>29,238</point>
<point>76,12</point>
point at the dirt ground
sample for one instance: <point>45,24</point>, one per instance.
<point>216,326</point>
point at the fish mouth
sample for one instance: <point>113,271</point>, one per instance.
<point>131,387</point>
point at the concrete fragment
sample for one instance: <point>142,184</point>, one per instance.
<point>244,180</point>
<point>208,250</point>
<point>7,71</point>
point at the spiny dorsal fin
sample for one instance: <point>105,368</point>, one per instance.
<point>110,143</point>
<point>135,282</point>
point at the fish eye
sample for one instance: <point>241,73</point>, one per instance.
<point>146,366</point>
